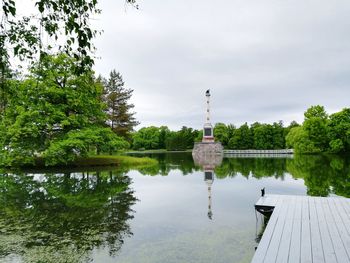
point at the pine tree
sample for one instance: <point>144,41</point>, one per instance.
<point>119,109</point>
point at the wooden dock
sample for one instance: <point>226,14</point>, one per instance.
<point>305,229</point>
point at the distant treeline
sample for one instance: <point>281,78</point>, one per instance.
<point>255,136</point>
<point>319,132</point>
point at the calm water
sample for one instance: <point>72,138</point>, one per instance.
<point>158,214</point>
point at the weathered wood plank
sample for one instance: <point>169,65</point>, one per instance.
<point>305,251</point>
<point>346,204</point>
<point>266,238</point>
<point>342,213</point>
<point>333,227</point>
<point>328,250</point>
<point>316,243</point>
<point>342,223</point>
<point>283,250</point>
<point>294,255</point>
<point>272,251</point>
<point>268,200</point>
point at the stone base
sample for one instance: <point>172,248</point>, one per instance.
<point>208,153</point>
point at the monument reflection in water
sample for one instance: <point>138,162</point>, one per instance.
<point>208,162</point>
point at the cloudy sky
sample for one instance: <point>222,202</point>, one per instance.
<point>263,60</point>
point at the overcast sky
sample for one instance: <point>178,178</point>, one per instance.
<point>263,60</point>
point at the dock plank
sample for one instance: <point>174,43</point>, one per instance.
<point>305,250</point>
<point>305,229</point>
<point>317,249</point>
<point>333,226</point>
<point>328,250</point>
<point>272,251</point>
<point>283,251</point>
<point>294,255</point>
<point>266,238</point>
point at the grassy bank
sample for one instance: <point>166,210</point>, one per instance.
<point>108,160</point>
<point>96,161</point>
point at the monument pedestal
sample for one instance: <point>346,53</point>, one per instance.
<point>207,148</point>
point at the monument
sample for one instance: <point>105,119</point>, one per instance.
<point>208,154</point>
<point>208,146</point>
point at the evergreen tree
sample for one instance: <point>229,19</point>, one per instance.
<point>119,110</point>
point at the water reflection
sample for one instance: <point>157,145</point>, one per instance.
<point>62,217</point>
<point>208,162</point>
<point>323,174</point>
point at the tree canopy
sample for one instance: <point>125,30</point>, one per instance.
<point>321,133</point>
<point>54,114</point>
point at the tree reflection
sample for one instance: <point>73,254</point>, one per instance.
<point>61,217</point>
<point>256,167</point>
<point>323,174</point>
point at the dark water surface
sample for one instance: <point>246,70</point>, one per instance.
<point>158,214</point>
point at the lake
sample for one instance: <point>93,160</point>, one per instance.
<point>172,212</point>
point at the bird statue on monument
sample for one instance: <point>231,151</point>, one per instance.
<point>207,93</point>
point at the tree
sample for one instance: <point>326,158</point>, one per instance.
<point>181,140</point>
<point>5,77</point>
<point>146,138</point>
<point>66,20</point>
<point>164,133</point>
<point>298,139</point>
<point>278,135</point>
<point>117,97</point>
<point>221,133</point>
<point>339,131</point>
<point>242,138</point>
<point>315,126</point>
<point>263,137</point>
<point>54,114</point>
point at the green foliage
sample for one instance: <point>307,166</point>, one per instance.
<point>146,138</point>
<point>320,133</point>
<point>315,112</point>
<point>242,138</point>
<point>152,137</point>
<point>78,142</point>
<point>56,114</point>
<point>298,139</point>
<point>164,133</point>
<point>339,131</point>
<point>263,137</point>
<point>55,21</point>
<point>117,97</point>
<point>336,146</point>
<point>221,132</point>
<point>176,141</point>
<point>181,140</point>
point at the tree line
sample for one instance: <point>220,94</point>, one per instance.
<point>255,136</point>
<point>318,133</point>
